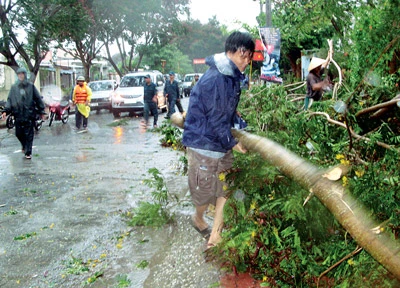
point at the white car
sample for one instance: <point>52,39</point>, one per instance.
<point>128,97</point>
<point>187,83</point>
<point>102,92</point>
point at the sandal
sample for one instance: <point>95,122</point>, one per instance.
<point>206,232</point>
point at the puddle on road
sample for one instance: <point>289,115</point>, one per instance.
<point>70,200</point>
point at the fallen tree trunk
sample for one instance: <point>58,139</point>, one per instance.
<point>382,106</point>
<point>351,215</point>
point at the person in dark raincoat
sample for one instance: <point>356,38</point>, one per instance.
<point>24,102</point>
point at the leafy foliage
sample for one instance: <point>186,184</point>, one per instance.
<point>123,281</point>
<point>375,40</point>
<point>154,214</point>
<point>172,136</point>
<point>268,230</point>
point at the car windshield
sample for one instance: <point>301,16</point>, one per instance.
<point>132,81</point>
<point>101,86</point>
<point>189,78</point>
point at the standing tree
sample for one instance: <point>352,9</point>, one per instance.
<point>137,27</point>
<point>27,28</point>
<point>79,36</point>
<point>200,41</point>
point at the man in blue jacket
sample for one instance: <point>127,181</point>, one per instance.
<point>150,100</point>
<point>171,91</point>
<point>207,130</point>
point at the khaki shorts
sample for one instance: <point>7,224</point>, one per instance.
<point>203,175</point>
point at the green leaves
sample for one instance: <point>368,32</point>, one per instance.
<point>153,214</point>
<point>268,229</point>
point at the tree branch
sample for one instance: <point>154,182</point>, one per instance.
<point>379,106</point>
<point>353,134</point>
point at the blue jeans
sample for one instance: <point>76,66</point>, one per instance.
<point>150,107</point>
<point>171,105</point>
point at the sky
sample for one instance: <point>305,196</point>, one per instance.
<point>227,11</point>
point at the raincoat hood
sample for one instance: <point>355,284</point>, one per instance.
<point>224,65</point>
<point>22,70</point>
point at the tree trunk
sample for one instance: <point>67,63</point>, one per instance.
<point>293,56</point>
<point>333,195</point>
<point>350,214</point>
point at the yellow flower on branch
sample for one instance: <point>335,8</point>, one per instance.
<point>345,181</point>
<point>345,162</point>
<point>221,176</point>
<point>339,156</point>
<point>360,173</point>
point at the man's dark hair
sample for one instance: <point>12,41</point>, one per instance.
<point>239,40</point>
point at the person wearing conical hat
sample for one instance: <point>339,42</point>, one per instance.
<point>315,85</point>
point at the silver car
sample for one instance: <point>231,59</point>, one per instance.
<point>102,91</point>
<point>128,97</point>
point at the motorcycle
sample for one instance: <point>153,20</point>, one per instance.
<point>10,122</point>
<point>59,111</point>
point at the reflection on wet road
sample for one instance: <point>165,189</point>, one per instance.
<point>118,134</point>
<point>67,203</point>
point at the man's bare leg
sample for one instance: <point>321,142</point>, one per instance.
<point>215,237</point>
<point>198,217</point>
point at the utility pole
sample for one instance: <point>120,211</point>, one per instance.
<point>268,21</point>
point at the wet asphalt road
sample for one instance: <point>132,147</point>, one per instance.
<point>65,207</point>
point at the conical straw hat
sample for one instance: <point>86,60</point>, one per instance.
<point>315,62</point>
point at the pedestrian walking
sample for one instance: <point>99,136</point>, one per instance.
<point>207,131</point>
<point>171,91</point>
<point>150,101</point>
<point>24,102</point>
<point>81,98</point>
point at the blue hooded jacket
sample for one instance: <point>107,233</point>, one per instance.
<point>212,106</point>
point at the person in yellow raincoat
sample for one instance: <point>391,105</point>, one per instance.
<point>81,98</point>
